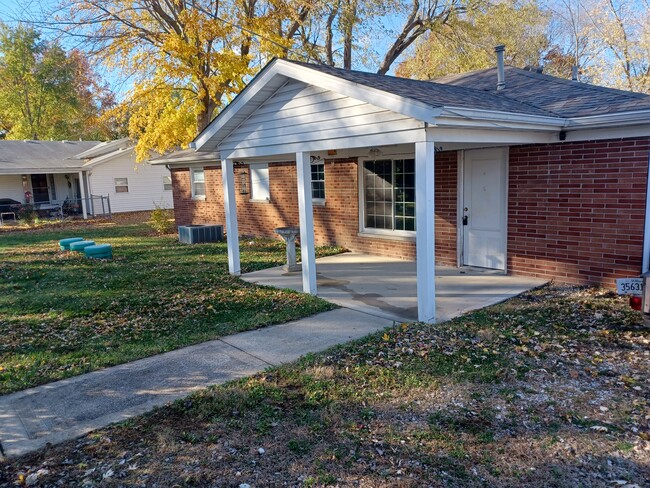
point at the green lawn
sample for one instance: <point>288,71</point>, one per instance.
<point>62,314</point>
<point>547,389</point>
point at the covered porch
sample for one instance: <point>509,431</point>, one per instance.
<point>387,287</point>
<point>297,114</point>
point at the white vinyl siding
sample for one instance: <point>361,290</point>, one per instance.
<point>144,179</point>
<point>300,113</point>
<point>11,186</point>
<point>260,188</point>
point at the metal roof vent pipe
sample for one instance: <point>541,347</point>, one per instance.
<point>574,73</point>
<point>501,72</point>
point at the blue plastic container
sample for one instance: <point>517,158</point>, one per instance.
<point>79,246</point>
<point>64,244</point>
<point>99,251</point>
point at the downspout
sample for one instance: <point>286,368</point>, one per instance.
<point>645,266</point>
<point>82,187</point>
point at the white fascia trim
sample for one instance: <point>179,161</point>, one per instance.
<point>186,163</point>
<point>456,116</point>
<point>609,120</point>
<point>91,163</point>
<point>215,158</point>
<point>102,147</point>
<point>38,171</point>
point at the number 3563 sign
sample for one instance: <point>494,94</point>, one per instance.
<point>629,286</point>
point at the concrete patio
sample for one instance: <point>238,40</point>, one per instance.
<point>386,287</point>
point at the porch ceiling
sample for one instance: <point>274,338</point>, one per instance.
<point>386,287</point>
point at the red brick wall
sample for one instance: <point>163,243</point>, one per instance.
<point>576,210</point>
<point>336,222</point>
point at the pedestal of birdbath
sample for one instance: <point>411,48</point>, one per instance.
<point>289,235</point>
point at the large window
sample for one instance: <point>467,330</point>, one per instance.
<point>389,194</point>
<point>198,183</point>
<point>318,180</point>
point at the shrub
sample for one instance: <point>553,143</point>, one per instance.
<point>162,220</point>
<point>26,213</point>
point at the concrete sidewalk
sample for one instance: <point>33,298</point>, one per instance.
<point>66,409</point>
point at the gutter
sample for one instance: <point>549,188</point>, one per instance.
<point>499,116</point>
<point>608,120</point>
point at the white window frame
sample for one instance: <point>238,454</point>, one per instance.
<point>318,200</point>
<point>198,196</point>
<point>259,172</point>
<point>165,184</point>
<point>117,185</point>
<point>371,231</point>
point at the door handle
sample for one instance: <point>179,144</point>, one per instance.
<point>465,219</point>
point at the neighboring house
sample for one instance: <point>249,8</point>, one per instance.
<point>83,177</point>
<point>530,174</point>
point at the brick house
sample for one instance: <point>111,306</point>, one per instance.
<point>528,173</point>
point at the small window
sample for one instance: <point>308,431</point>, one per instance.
<point>318,180</point>
<point>198,183</point>
<point>121,185</point>
<point>260,188</point>
<point>167,182</point>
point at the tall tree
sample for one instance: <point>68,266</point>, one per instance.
<point>622,31</point>
<point>46,92</point>
<point>188,58</point>
<point>466,41</point>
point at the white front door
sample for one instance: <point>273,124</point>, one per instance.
<point>484,208</point>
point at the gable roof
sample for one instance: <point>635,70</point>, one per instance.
<point>104,148</point>
<point>42,156</point>
<point>436,95</point>
<point>558,96</point>
<point>531,101</point>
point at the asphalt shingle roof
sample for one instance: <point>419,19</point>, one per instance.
<point>42,155</point>
<point>562,97</point>
<point>433,94</point>
<point>526,92</point>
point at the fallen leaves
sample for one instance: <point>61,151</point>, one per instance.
<point>548,389</point>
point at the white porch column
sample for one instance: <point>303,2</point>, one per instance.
<point>425,230</point>
<point>229,202</point>
<point>83,196</point>
<point>306,212</point>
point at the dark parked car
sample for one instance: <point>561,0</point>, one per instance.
<point>8,205</point>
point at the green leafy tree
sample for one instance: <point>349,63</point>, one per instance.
<point>47,93</point>
<point>466,41</point>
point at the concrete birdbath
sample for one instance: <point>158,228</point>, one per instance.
<point>289,235</point>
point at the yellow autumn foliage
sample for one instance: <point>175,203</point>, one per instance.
<point>186,59</point>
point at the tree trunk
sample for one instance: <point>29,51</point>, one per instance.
<point>329,54</point>
<point>348,28</point>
